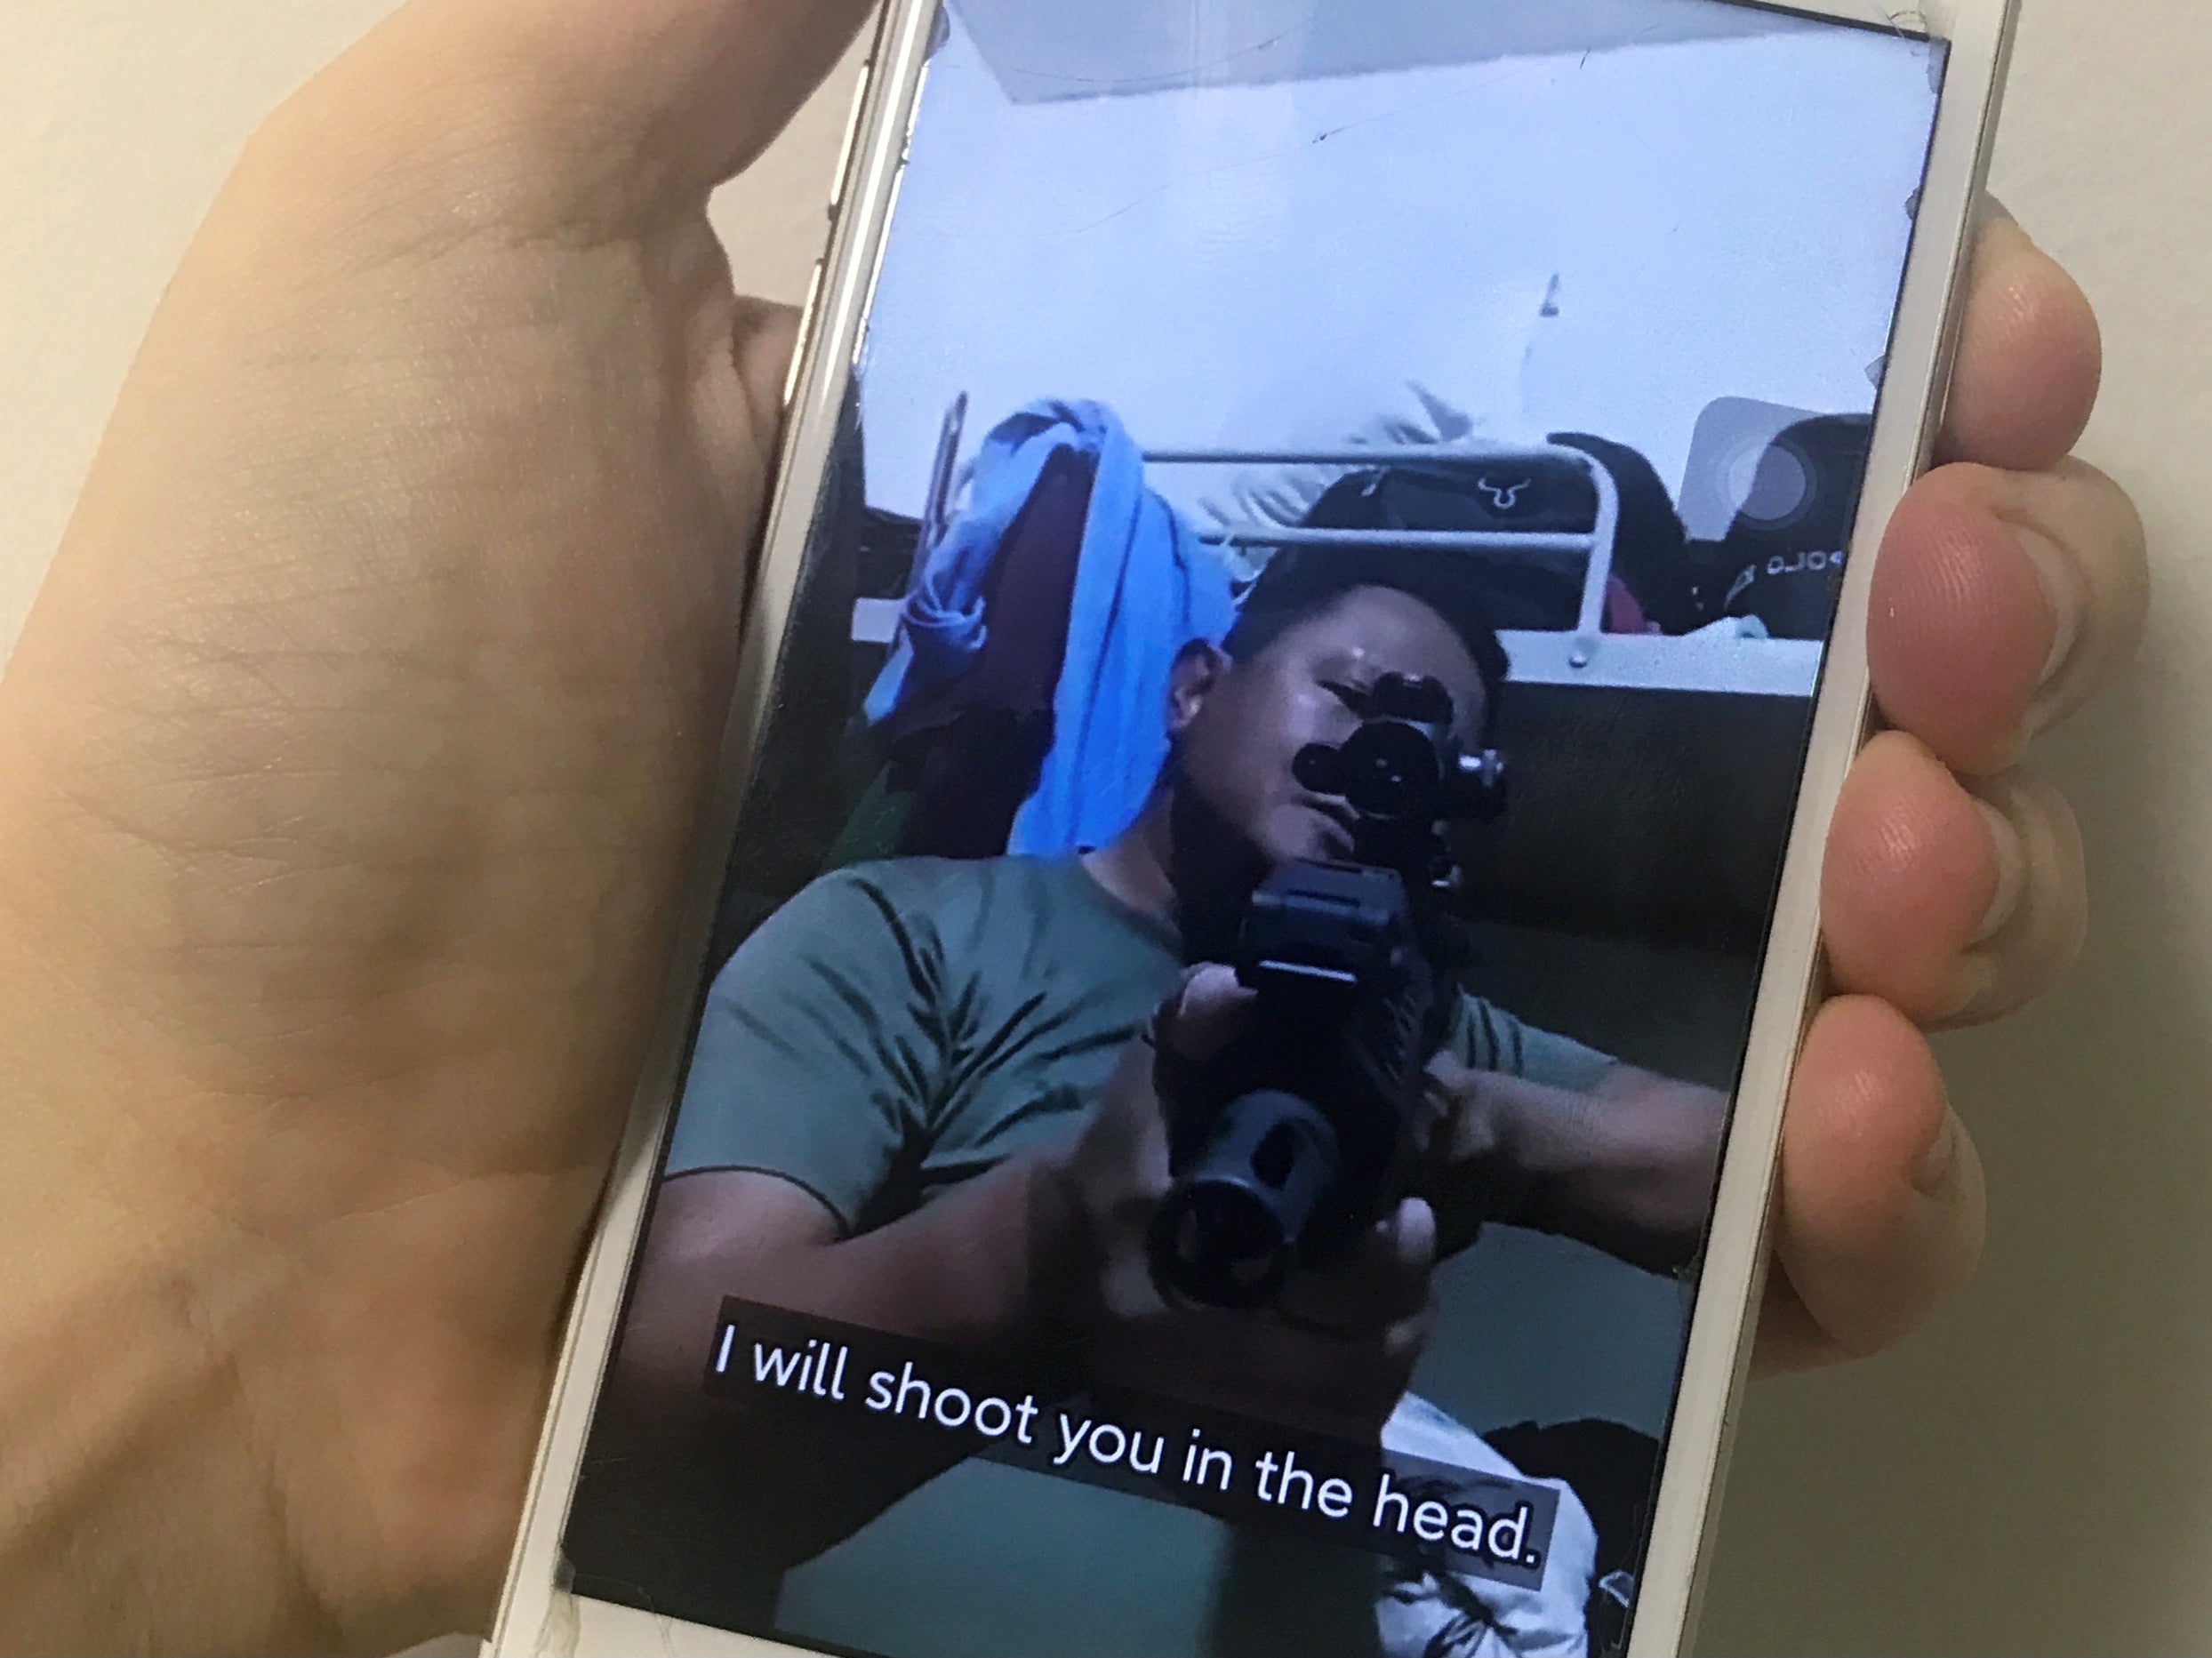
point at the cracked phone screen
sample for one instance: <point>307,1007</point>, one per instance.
<point>1206,1091</point>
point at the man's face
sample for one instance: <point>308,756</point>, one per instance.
<point>1241,732</point>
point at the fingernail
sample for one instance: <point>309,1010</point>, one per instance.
<point>1934,1170</point>
<point>1972,979</point>
<point>1996,214</point>
<point>2062,591</point>
<point>2012,870</point>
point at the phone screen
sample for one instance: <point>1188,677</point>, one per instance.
<point>1207,1095</point>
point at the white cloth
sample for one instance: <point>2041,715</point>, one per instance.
<point>1409,414</point>
<point>1424,1613</point>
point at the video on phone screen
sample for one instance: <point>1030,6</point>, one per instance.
<point>1244,926</point>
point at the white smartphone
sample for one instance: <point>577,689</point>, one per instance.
<point>1222,1089</point>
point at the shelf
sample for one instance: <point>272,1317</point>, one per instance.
<point>1618,662</point>
<point>1708,662</point>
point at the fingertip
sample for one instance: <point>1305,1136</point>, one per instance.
<point>1883,1205</point>
<point>2030,358</point>
<point>1961,627</point>
<point>1869,1105</point>
<point>1912,877</point>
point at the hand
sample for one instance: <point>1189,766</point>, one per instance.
<point>1333,1354</point>
<point>2012,586</point>
<point>346,767</point>
<point>1627,1168</point>
<point>349,759</point>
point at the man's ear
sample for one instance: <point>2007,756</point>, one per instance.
<point>1198,669</point>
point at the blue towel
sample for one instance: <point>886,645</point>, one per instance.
<point>1145,587</point>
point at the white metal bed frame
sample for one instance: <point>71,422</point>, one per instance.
<point>1586,656</point>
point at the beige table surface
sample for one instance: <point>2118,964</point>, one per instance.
<point>2034,1476</point>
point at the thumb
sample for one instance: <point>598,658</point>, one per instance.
<point>1210,1010</point>
<point>611,112</point>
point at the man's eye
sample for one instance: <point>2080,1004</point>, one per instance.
<point>1354,697</point>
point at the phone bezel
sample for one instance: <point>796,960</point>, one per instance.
<point>537,1614</point>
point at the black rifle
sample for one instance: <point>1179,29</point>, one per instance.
<point>1285,1147</point>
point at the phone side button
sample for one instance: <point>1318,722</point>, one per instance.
<point>852,136</point>
<point>805,333</point>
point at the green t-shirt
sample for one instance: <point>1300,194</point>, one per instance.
<point>900,1028</point>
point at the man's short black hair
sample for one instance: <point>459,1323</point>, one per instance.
<point>1301,583</point>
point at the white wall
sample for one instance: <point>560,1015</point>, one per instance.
<point>1724,217</point>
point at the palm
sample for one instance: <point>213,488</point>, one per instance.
<point>384,773</point>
